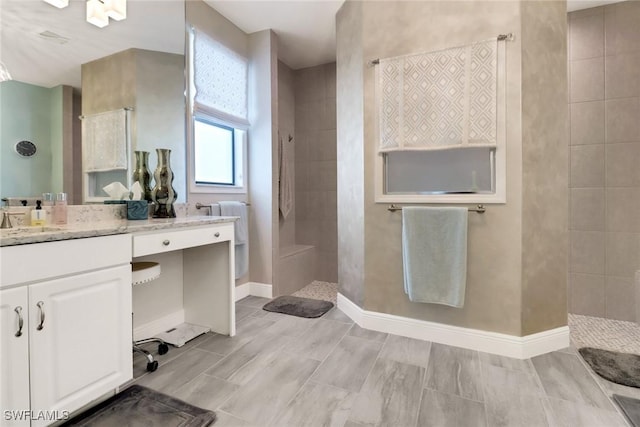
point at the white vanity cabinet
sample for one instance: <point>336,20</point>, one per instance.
<point>76,309</point>
<point>14,355</point>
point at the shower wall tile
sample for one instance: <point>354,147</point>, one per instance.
<point>587,166</point>
<point>620,301</point>
<point>587,37</point>
<point>587,80</point>
<point>327,268</point>
<point>622,120</point>
<point>605,138</point>
<point>587,294</point>
<point>579,14</point>
<point>316,165</point>
<point>327,143</point>
<point>623,254</point>
<point>587,252</point>
<point>330,81</point>
<point>308,115</point>
<point>621,76</point>
<point>587,123</point>
<point>623,165</point>
<point>622,32</point>
<point>623,209</point>
<point>327,174</point>
<point>587,209</point>
<point>309,85</point>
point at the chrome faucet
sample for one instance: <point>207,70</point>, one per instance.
<point>6,218</point>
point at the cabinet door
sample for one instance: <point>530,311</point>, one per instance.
<point>80,338</point>
<point>14,357</point>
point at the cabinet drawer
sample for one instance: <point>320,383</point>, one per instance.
<point>165,241</point>
<point>42,261</point>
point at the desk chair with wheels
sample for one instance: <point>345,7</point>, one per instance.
<point>145,272</point>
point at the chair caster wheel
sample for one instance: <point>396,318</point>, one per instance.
<point>163,349</point>
<point>152,366</point>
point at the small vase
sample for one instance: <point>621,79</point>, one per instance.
<point>163,194</point>
<point>142,175</point>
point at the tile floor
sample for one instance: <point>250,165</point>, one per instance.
<point>283,371</point>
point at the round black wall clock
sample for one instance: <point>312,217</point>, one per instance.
<point>26,148</point>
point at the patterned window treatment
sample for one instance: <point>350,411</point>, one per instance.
<point>220,80</point>
<point>439,100</point>
<point>105,141</point>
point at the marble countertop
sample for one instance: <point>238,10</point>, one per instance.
<point>27,235</point>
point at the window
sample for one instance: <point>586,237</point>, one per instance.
<point>218,115</point>
<point>213,153</point>
<point>457,171</point>
<point>441,126</point>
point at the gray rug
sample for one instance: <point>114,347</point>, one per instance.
<point>620,368</point>
<point>630,407</point>
<point>139,406</point>
<point>297,306</point>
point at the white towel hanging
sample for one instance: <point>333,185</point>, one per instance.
<point>104,141</point>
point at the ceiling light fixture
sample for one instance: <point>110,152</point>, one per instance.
<point>99,11</point>
<point>116,9</point>
<point>58,3</point>
<point>96,14</point>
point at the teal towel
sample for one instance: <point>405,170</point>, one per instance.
<point>434,254</point>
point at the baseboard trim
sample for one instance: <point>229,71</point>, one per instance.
<point>473,339</point>
<point>254,288</point>
<point>157,326</point>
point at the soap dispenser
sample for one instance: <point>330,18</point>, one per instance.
<point>38,216</point>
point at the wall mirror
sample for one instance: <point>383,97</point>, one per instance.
<point>44,48</point>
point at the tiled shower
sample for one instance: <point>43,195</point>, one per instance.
<point>307,123</point>
<point>604,102</point>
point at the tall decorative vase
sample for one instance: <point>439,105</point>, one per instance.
<point>141,173</point>
<point>163,194</point>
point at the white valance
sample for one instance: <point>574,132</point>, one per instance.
<point>105,141</point>
<point>439,100</point>
<point>220,79</point>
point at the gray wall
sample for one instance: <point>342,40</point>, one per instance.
<point>502,274</point>
<point>315,164</point>
<point>350,150</point>
<point>545,179</point>
<point>604,61</point>
<point>263,161</point>
<point>153,84</point>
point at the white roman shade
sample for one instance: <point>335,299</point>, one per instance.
<point>220,80</point>
<point>440,100</point>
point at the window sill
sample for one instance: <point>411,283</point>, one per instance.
<point>212,189</point>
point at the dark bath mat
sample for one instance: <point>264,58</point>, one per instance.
<point>139,406</point>
<point>630,407</point>
<point>620,368</point>
<point>297,306</point>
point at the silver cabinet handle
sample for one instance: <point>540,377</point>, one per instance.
<point>18,311</point>
<point>217,234</point>
<point>41,313</point>
<point>166,242</point>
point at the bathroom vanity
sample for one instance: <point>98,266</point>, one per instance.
<point>66,304</point>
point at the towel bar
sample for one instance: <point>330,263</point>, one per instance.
<point>200,205</point>
<point>479,209</point>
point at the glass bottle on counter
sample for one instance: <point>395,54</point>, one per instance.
<point>59,210</point>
